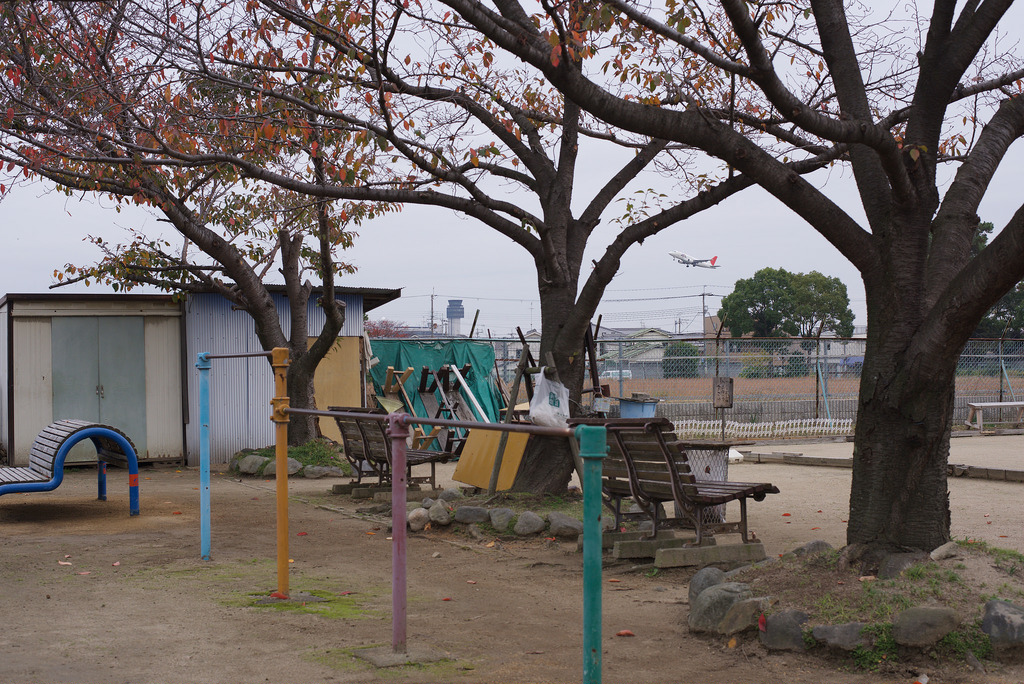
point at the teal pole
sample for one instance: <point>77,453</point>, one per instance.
<point>593,441</point>
<point>203,364</point>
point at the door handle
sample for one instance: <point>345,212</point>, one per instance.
<point>99,391</point>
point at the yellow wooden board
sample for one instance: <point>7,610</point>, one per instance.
<point>337,381</point>
<point>477,460</point>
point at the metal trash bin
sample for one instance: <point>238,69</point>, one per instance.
<point>709,462</point>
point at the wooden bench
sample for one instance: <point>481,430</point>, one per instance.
<point>974,417</point>
<point>368,447</point>
<point>648,464</point>
<point>45,470</point>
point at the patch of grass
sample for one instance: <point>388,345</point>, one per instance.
<point>965,638</point>
<point>883,651</point>
<point>332,606</point>
<point>882,605</point>
<point>316,452</point>
<point>828,560</point>
<point>1009,561</point>
<point>809,640</point>
<point>541,504</point>
<point>834,610</point>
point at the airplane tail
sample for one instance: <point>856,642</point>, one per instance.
<point>713,260</point>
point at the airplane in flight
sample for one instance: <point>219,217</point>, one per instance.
<point>688,260</point>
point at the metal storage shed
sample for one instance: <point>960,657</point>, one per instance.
<point>114,359</point>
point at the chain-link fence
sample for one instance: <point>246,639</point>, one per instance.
<point>781,387</point>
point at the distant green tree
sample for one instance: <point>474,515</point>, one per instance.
<point>1006,318</point>
<point>797,366</point>
<point>762,305</point>
<point>821,303</point>
<point>681,360</point>
<point>777,303</point>
<point>980,240</point>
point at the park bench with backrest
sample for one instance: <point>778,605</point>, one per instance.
<point>647,463</point>
<point>368,447</point>
<point>45,470</point>
<point>975,419</point>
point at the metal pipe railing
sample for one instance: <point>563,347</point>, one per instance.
<point>240,355</point>
<point>592,446</point>
<point>410,419</point>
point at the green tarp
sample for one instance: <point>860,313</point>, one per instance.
<point>402,354</point>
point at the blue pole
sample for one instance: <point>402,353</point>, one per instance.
<point>203,364</point>
<point>593,447</point>
<point>101,482</point>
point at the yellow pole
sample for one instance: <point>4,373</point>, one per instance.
<point>279,360</point>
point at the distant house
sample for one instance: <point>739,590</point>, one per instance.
<point>129,361</point>
<point>632,352</point>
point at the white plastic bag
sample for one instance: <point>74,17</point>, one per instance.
<point>550,403</point>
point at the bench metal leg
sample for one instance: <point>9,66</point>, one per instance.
<point>743,520</point>
<point>101,481</point>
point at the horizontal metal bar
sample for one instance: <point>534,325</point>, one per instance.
<point>235,356</point>
<point>407,418</point>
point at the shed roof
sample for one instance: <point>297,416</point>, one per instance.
<point>373,297</point>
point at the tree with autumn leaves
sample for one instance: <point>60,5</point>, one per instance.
<point>84,107</point>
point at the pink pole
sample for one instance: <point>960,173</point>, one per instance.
<point>398,431</point>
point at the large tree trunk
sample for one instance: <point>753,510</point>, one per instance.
<point>898,498</point>
<point>547,464</point>
<point>301,428</point>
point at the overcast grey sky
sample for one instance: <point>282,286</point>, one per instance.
<point>434,252</point>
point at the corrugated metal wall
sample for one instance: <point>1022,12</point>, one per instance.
<point>4,420</point>
<point>240,389</point>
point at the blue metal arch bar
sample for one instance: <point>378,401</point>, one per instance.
<point>97,434</point>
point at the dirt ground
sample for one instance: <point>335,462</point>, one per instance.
<point>92,595</point>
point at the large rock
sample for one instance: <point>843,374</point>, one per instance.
<point>707,611</point>
<point>251,464</point>
<point>847,637</point>
<point>704,578</point>
<point>451,494</point>
<point>948,550</point>
<point>271,469</point>
<point>440,514</point>
<point>564,526</point>
<point>316,472</point>
<point>784,631</point>
<point>472,514</point>
<point>812,548</point>
<point>743,615</point>
<point>1004,623</point>
<point>923,625</point>
<point>529,523</point>
<point>501,517</point>
<point>418,519</point>
<point>894,564</point>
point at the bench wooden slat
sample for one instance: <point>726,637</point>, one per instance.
<point>18,474</point>
<point>366,438</point>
